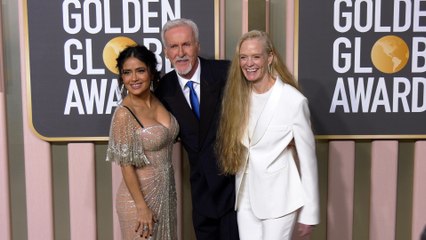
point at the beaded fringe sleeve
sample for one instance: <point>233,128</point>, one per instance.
<point>125,145</point>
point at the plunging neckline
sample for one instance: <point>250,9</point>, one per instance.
<point>152,125</point>
<point>158,124</point>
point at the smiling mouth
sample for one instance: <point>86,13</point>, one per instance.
<point>136,85</point>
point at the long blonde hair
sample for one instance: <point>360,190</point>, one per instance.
<point>236,104</point>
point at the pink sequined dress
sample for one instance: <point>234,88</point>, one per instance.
<point>149,149</point>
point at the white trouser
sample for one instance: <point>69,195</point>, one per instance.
<point>252,228</point>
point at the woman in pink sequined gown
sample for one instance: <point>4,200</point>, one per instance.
<point>142,134</point>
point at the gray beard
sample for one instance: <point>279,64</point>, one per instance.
<point>186,71</point>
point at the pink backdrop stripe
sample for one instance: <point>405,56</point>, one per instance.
<point>38,166</point>
<point>340,190</point>
<point>289,25</point>
<point>245,16</point>
<point>222,29</point>
<point>419,190</point>
<point>82,190</point>
<point>38,183</point>
<point>384,169</point>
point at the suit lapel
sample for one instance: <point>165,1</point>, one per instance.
<point>267,113</point>
<point>210,93</point>
<point>183,112</point>
<point>176,98</point>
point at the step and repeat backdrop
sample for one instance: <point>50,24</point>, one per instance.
<point>71,50</point>
<point>361,63</point>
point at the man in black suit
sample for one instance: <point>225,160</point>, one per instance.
<point>213,194</point>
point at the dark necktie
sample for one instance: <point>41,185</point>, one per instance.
<point>193,99</point>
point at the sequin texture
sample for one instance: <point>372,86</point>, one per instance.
<point>150,149</point>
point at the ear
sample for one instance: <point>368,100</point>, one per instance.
<point>165,52</point>
<point>270,58</point>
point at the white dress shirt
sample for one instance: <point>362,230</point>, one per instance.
<point>196,79</point>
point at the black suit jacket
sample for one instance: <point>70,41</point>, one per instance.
<point>212,193</point>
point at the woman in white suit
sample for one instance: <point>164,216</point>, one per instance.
<point>265,138</point>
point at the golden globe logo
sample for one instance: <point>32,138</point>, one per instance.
<point>91,90</point>
<point>358,88</point>
<point>390,54</point>
<point>112,49</point>
<point>108,91</point>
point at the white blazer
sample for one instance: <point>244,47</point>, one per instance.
<point>275,185</point>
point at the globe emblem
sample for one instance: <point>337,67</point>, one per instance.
<point>112,49</point>
<point>390,54</point>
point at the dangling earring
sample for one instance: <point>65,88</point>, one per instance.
<point>270,69</point>
<point>123,91</point>
<point>151,85</point>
